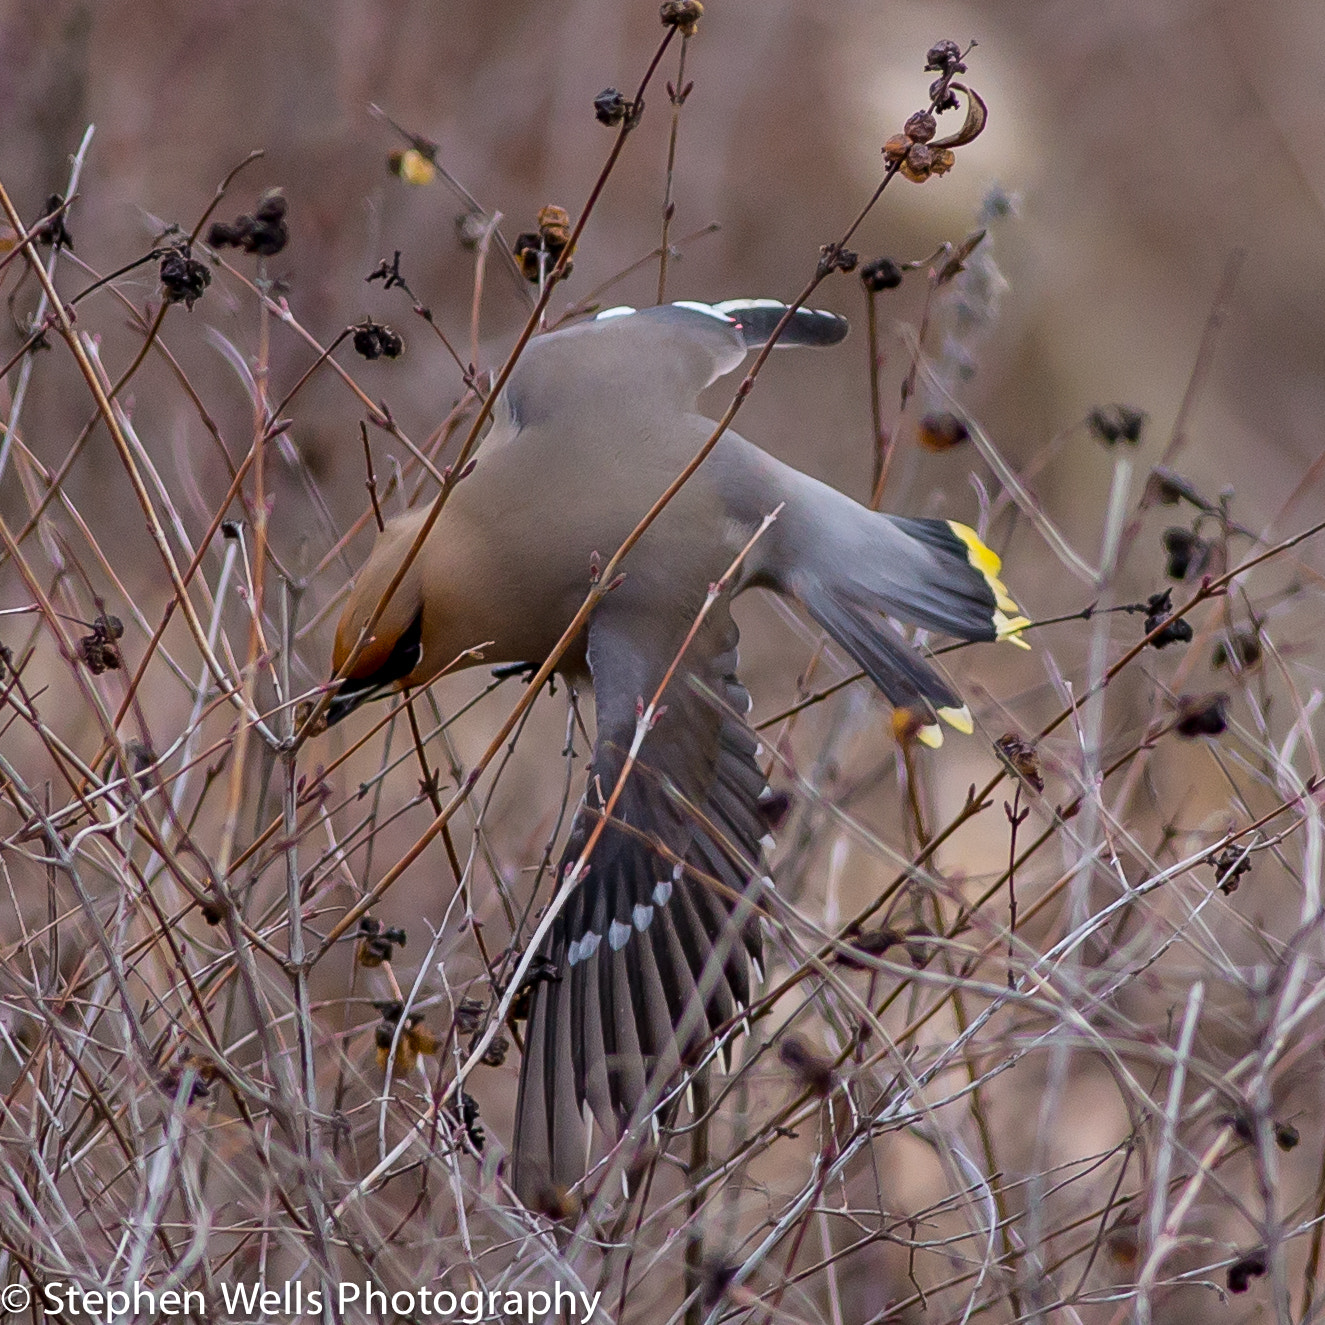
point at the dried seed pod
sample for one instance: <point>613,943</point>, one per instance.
<point>1165,487</point>
<point>1159,607</point>
<point>977,116</point>
<point>1202,715</point>
<point>1244,1270</point>
<point>1024,758</point>
<point>869,943</point>
<point>376,945</point>
<point>100,650</point>
<point>609,107</point>
<point>542,969</point>
<point>464,1109</point>
<point>896,148</point>
<point>921,127</point>
<point>918,163</point>
<point>1111,424</point>
<point>1242,650</point>
<point>833,257</point>
<point>554,227</point>
<point>683,15</point>
<point>814,1072</point>
<point>54,233</point>
<point>264,233</point>
<point>469,1015</point>
<point>205,1074</point>
<point>881,274</point>
<point>941,430</point>
<point>183,277</point>
<point>495,1054</point>
<point>373,340</point>
<point>941,96</point>
<point>942,160</point>
<point>944,57</point>
<point>414,1040</point>
<point>303,711</point>
<point>1188,553</point>
<point>1230,865</point>
<point>1286,1136</point>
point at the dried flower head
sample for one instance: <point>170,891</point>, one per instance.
<point>833,257</point>
<point>541,970</point>
<point>554,227</point>
<point>537,253</point>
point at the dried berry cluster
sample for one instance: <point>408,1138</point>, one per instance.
<point>915,152</point>
<point>264,233</point>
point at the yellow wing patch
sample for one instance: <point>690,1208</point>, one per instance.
<point>1008,620</point>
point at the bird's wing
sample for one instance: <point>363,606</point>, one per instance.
<point>650,956</point>
<point>662,357</point>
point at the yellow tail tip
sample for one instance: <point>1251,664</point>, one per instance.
<point>959,719</point>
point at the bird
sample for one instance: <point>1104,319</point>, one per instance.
<point>651,957</point>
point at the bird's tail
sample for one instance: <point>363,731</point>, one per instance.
<point>863,566</point>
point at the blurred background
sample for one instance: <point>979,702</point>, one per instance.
<point>1146,166</point>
